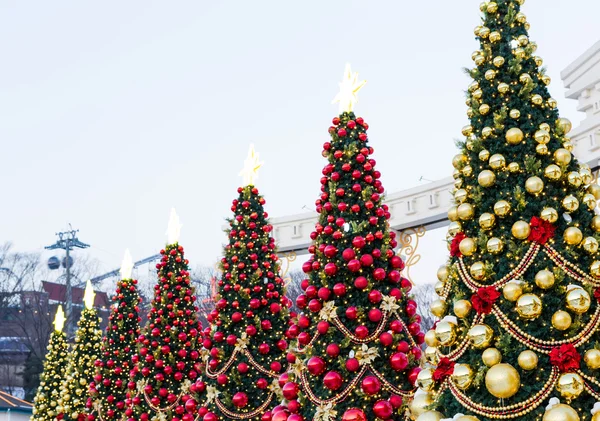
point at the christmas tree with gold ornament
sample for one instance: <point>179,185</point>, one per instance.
<point>80,367</point>
<point>46,399</point>
<point>518,297</point>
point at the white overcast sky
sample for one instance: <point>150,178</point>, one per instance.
<point>112,112</point>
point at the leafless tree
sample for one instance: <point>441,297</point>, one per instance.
<point>424,295</point>
<point>205,279</point>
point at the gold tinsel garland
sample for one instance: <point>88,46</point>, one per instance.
<point>231,361</point>
<point>247,415</point>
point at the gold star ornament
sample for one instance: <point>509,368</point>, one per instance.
<point>349,87</point>
<point>89,295</point>
<point>59,319</point>
<point>251,165</point>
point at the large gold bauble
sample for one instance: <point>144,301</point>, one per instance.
<point>586,175</point>
<point>431,339</point>
<point>596,417</point>
<point>542,136</point>
<point>445,333</point>
<point>561,412</point>
<point>431,355</point>
<point>538,61</point>
<point>498,61</point>
<point>514,113</point>
<point>570,203</point>
<point>573,236</point>
<point>455,173</point>
<point>439,288</point>
<point>486,132</point>
<point>503,88</point>
<point>454,228</point>
<point>520,17</point>
<point>462,376</point>
<point>544,279</point>
<point>460,196</point>
<point>467,418</point>
<point>562,156</point>
<point>431,416</point>
<point>438,308</point>
<point>570,385</point>
<point>477,270</point>
<point>486,178</point>
<point>549,215</point>
<point>520,230</point>
<point>467,169</point>
<point>502,381</point>
<point>523,40</point>
<point>491,357</point>
<point>534,185</point>
<point>501,208</point>
<point>574,179</point>
<point>487,221</point>
<point>596,223</point>
<point>541,149</point>
<point>589,200</point>
<point>592,359</point>
<point>524,78</point>
<point>528,360</point>
<point>462,308</point>
<point>564,125</point>
<point>492,7</point>
<point>545,126</point>
<point>512,291</point>
<point>578,300</point>
<point>537,99</point>
<point>425,379</point>
<point>467,130</point>
<point>467,246</point>
<point>552,103</point>
<point>590,244</point>
<point>453,213</point>
<point>490,74</point>
<point>465,211</point>
<point>520,53</point>
<point>479,60</point>
<point>514,167</point>
<point>458,183</point>
<point>459,161</point>
<point>594,189</point>
<point>495,36</point>
<point>546,80</point>
<point>481,336</point>
<point>484,155</point>
<point>477,94</point>
<point>514,136</point>
<point>484,109</point>
<point>419,404</point>
<point>595,269</point>
<point>561,320</point>
<point>529,306</point>
<point>553,172</point>
<point>494,245</point>
<point>443,273</point>
<point>497,161</point>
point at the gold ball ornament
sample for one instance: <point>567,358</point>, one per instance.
<point>570,386</point>
<point>541,149</point>
<point>561,412</point>
<point>592,359</point>
<point>589,200</point>
<point>487,221</point>
<point>512,291</point>
<point>419,404</point>
<point>443,273</point>
<point>574,179</point>
<point>439,288</point>
<point>596,223</point>
<point>492,7</point>
<point>486,132</point>
<point>503,88</point>
<point>514,113</point>
<point>534,185</point>
<point>561,320</point>
<point>481,336</point>
<point>431,339</point>
<point>546,80</point>
<point>545,126</point>
<point>564,125</point>
<point>431,355</point>
<point>460,196</point>
<point>590,244</point>
<point>454,228</point>
<point>467,130</point>
<point>595,269</point>
<point>553,172</point>
<point>484,155</point>
<point>495,36</point>
<point>484,32</point>
<point>467,418</point>
<point>497,161</point>
<point>467,246</point>
<point>462,308</point>
<point>594,189</point>
<point>528,360</point>
<point>573,236</point>
<point>586,175</point>
<point>502,381</point>
<point>479,60</point>
<point>462,376</point>
<point>459,161</point>
<point>477,93</point>
<point>438,308</point>
<point>458,183</point>
<point>498,61</point>
<point>425,379</point>
<point>467,169</point>
<point>514,136</point>
<point>445,333</point>
<point>570,203</point>
<point>465,211</point>
<point>578,300</point>
<point>549,215</point>
<point>453,213</point>
<point>521,230</point>
<point>536,99</point>
<point>544,279</point>
<point>495,245</point>
<point>431,416</point>
<point>514,167</point>
<point>523,40</point>
<point>490,74</point>
<point>491,357</point>
<point>501,208</point>
<point>596,417</point>
<point>552,103</point>
<point>486,178</point>
<point>520,53</point>
<point>529,306</point>
<point>562,156</point>
<point>484,109</point>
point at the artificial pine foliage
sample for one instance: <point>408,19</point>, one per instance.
<point>519,291</point>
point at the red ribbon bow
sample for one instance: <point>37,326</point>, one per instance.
<point>565,357</point>
<point>541,231</point>
<point>484,299</point>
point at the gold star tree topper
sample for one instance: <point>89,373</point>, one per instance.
<point>174,228</point>
<point>251,165</point>
<point>59,319</point>
<point>349,87</point>
<point>89,295</point>
<point>126,265</point>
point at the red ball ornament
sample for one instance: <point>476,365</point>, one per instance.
<point>330,251</point>
<point>333,350</point>
<point>396,401</point>
<point>375,296</point>
<point>323,327</point>
<point>353,265</point>
<point>386,339</point>
<point>375,315</point>
<point>412,374</point>
<point>348,254</point>
<point>290,390</point>
<point>379,274</point>
<point>330,269</point>
<point>383,409</point>
<point>360,282</point>
<point>397,263</point>
<point>315,366</point>
<point>354,414</point>
<point>262,383</point>
<point>190,405</point>
<point>361,331</point>
<point>314,305</point>
<point>332,380</point>
<point>210,416</point>
<point>295,417</point>
<point>358,242</point>
<point>352,365</point>
<point>399,361</point>
<point>351,313</point>
<point>280,416</point>
<point>324,293</point>
<point>339,289</point>
<point>371,385</point>
<point>366,260</point>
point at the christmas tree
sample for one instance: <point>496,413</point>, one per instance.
<point>247,342</point>
<point>112,385</point>
<point>169,360</point>
<point>46,399</point>
<point>518,295</point>
<point>359,339</point>
<point>80,367</point>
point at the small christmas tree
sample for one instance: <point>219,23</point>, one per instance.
<point>80,368</point>
<point>112,385</point>
<point>359,339</point>
<point>46,399</point>
<point>247,341</point>
<point>517,296</point>
<point>169,358</point>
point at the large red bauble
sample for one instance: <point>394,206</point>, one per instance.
<point>394,276</point>
<point>358,242</point>
<point>397,262</point>
<point>190,405</point>
<point>361,331</point>
<point>353,265</point>
<point>303,322</point>
<point>236,317</point>
<point>283,379</point>
<point>275,366</point>
<point>375,296</point>
<point>386,339</point>
<point>295,417</point>
<point>314,305</point>
<point>399,361</point>
<point>222,379</point>
<point>374,315</point>
<point>323,327</point>
<point>352,364</point>
<point>293,406</point>
<point>324,293</point>
<point>231,340</point>
<point>339,289</point>
<point>264,348</point>
<point>280,416</point>
<point>330,251</point>
<point>379,274</point>
<point>396,401</point>
<point>307,267</point>
<point>361,282</point>
<point>406,284</point>
<point>210,416</point>
<point>413,373</point>
<point>304,338</point>
<point>383,409</point>
<point>333,350</point>
<point>290,390</point>
<point>371,385</point>
<point>330,269</point>
<point>351,313</point>
<point>332,380</point>
<point>354,414</point>
<point>242,368</point>
<point>403,347</point>
<point>262,383</point>
<point>366,260</point>
<point>414,328</point>
<point>396,326</point>
<point>348,254</point>
<point>315,366</point>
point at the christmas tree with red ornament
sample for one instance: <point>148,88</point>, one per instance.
<point>247,343</point>
<point>110,393</point>
<point>169,357</point>
<point>359,336</point>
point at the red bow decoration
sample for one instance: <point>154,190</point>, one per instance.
<point>541,231</point>
<point>597,294</point>
<point>484,299</point>
<point>444,369</point>
<point>454,246</point>
<point>565,357</point>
